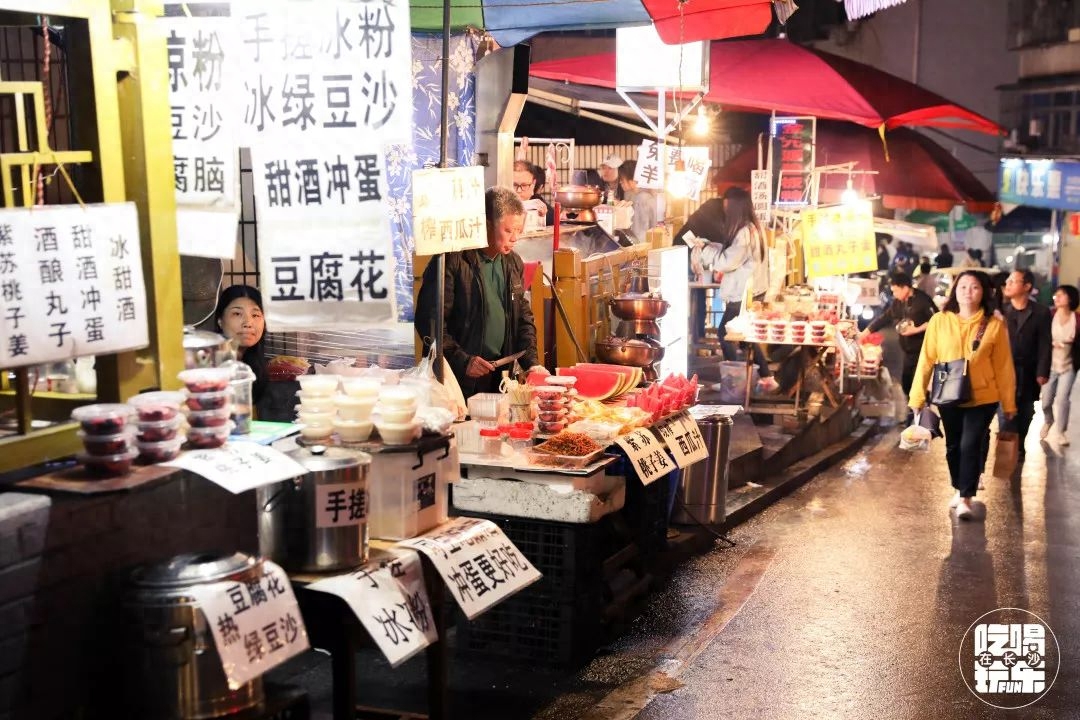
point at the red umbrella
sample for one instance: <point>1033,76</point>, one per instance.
<point>768,75</point>
<point>920,174</point>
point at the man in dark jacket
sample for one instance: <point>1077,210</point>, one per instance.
<point>486,313</point>
<point>1029,338</point>
<point>911,310</point>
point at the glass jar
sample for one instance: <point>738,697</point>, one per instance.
<point>490,442</point>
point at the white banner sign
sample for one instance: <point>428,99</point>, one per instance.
<point>761,194</point>
<point>391,602</point>
<point>654,174</point>
<point>204,87</point>
<point>340,504</point>
<point>448,209</point>
<point>476,560</point>
<point>239,467</point>
<point>256,625</point>
<point>328,87</point>
<point>646,454</point>
<point>71,283</point>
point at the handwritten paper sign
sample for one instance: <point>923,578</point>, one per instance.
<point>476,560</point>
<point>646,454</point>
<point>839,240</point>
<point>448,209</point>
<point>239,467</point>
<point>256,625</point>
<point>683,438</point>
<point>203,56</point>
<point>761,194</point>
<point>390,600</point>
<point>653,173</point>
<point>341,504</point>
<point>71,283</point>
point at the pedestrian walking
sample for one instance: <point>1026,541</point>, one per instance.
<point>1064,362</point>
<point>967,328</point>
<point>944,258</point>
<point>1028,323</point>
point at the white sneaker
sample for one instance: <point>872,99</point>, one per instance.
<point>963,509</point>
<point>955,500</point>
<point>768,385</point>
<point>1044,430</point>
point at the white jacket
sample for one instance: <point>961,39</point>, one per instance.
<point>744,261</point>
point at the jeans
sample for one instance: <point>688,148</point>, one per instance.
<point>1055,399</point>
<point>965,429</point>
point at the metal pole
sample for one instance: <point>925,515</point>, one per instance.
<point>444,123</point>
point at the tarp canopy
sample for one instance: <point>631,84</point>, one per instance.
<point>768,75</point>
<point>512,21</point>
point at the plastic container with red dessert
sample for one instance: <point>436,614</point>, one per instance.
<point>105,445</point>
<point>209,400</point>
<point>108,465</point>
<point>208,418</point>
<point>549,393</point>
<point>205,438</point>
<point>520,438</point>
<point>155,452</point>
<point>547,406</point>
<point>552,416</point>
<point>159,431</point>
<point>550,428</point>
<point>157,406</point>
<point>103,418</point>
<point>205,380</point>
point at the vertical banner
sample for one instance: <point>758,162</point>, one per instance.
<point>204,95</point>
<point>839,240</point>
<point>792,153</point>
<point>761,194</point>
<point>71,283</point>
<point>327,89</point>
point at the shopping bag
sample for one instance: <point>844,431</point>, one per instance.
<point>915,438</point>
<point>1006,454</point>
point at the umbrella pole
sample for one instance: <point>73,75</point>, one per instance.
<point>444,123</point>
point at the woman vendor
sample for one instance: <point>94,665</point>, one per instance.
<point>239,317</point>
<point>486,313</point>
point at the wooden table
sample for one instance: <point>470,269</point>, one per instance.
<point>805,367</point>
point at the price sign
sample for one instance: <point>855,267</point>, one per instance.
<point>340,504</point>
<point>256,624</point>
<point>646,454</point>
<point>389,599</point>
<point>239,467</point>
<point>476,560</point>
<point>683,438</point>
<point>448,209</point>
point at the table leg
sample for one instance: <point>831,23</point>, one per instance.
<point>436,653</point>
<point>749,348</point>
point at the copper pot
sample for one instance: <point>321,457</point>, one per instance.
<point>635,307</point>
<point>583,197</point>
<point>634,352</point>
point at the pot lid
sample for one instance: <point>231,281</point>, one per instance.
<point>320,458</point>
<point>192,569</point>
<point>195,339</point>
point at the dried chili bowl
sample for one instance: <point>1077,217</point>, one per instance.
<point>157,406</point>
<point>208,418</point>
<point>205,380</point>
<point>108,465</point>
<point>104,445</point>
<point>103,418</point>
<point>204,438</point>
<point>155,452</point>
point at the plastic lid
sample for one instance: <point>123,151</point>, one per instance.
<point>176,442</point>
<point>550,388</point>
<point>102,411</point>
<point>192,569</point>
<point>170,398</point>
<point>525,425</point>
<point>209,374</point>
<point>212,430</point>
<point>521,434</point>
<point>126,434</point>
<point>490,432</point>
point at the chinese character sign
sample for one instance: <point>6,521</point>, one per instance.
<point>391,602</point>
<point>448,210</point>
<point>478,563</point>
<point>203,89</point>
<point>646,454</point>
<point>256,623</point>
<point>326,89</point>
<point>242,466</point>
<point>652,172</point>
<point>71,283</point>
<point>1053,184</point>
<point>839,240</point>
<point>683,438</point>
<point>792,156</point>
<point>761,194</point>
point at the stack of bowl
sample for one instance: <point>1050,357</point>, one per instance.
<point>353,422</point>
<point>160,425</point>
<point>108,438</point>
<point>208,405</point>
<point>316,409</point>
<point>397,423</point>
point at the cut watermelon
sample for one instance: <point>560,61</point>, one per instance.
<point>593,383</point>
<point>633,374</point>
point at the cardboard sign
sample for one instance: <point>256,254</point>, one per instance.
<point>256,626</point>
<point>71,283</point>
<point>239,467</point>
<point>390,600</point>
<point>448,209</point>
<point>839,240</point>
<point>683,438</point>
<point>647,455</point>
<point>476,560</point>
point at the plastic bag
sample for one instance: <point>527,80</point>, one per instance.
<point>446,395</point>
<point>915,438</point>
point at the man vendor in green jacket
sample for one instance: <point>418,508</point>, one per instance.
<point>487,316</point>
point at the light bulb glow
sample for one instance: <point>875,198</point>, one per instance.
<point>849,196</point>
<point>678,181</point>
<point>701,124</point>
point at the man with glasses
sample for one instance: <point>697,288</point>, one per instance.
<point>528,179</point>
<point>1029,338</point>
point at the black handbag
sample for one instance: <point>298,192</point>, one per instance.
<point>950,384</point>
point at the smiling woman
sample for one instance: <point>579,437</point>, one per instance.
<point>239,317</point>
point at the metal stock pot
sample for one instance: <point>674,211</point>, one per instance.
<point>205,349</point>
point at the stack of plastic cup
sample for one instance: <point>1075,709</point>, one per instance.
<point>108,436</point>
<point>316,410</point>
<point>208,405</point>
<point>160,430</point>
<point>397,424</point>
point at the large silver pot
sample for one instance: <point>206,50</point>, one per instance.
<point>634,353</point>
<point>176,668</point>
<point>206,349</point>
<point>634,307</point>
<point>318,521</point>
<point>581,197</point>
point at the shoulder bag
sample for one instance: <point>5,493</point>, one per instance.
<point>950,384</point>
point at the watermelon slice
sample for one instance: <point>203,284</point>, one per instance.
<point>592,383</point>
<point>633,374</point>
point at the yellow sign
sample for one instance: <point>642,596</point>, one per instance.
<point>448,209</point>
<point>839,240</point>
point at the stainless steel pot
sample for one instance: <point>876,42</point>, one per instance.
<point>176,669</point>
<point>634,353</point>
<point>633,307</point>
<point>206,349</point>
<point>583,197</point>
<point>318,521</point>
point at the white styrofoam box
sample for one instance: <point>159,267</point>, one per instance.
<point>597,482</point>
<point>408,497</point>
<point>542,502</point>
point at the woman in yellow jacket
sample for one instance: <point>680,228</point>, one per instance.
<point>951,335</point>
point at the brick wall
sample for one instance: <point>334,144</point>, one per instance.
<point>64,561</point>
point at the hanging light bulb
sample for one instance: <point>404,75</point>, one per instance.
<point>678,184</point>
<point>701,124</point>
<point>849,196</point>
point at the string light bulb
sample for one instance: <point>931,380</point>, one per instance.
<point>849,196</point>
<point>701,124</point>
<point>678,185</point>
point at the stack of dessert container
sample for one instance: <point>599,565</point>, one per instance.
<point>160,431</point>
<point>108,436</point>
<point>208,405</point>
